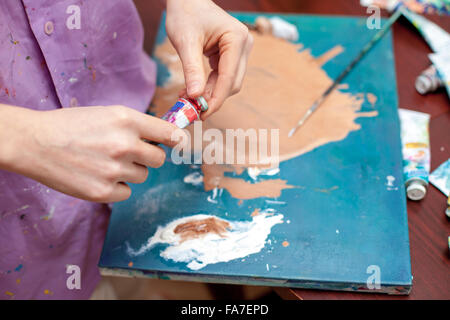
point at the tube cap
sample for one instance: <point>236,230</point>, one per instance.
<point>423,84</point>
<point>416,191</point>
<point>202,102</point>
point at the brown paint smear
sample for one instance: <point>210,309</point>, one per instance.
<point>280,85</point>
<point>371,98</point>
<point>214,177</point>
<point>198,228</point>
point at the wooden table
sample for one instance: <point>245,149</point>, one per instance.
<point>428,225</point>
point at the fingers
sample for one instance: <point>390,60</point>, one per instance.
<point>243,65</point>
<point>120,192</point>
<point>157,130</point>
<point>191,55</point>
<point>149,155</point>
<point>134,173</point>
<point>227,79</point>
<point>230,54</point>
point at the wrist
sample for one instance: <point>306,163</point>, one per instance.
<point>16,123</point>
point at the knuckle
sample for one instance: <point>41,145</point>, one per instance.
<point>100,192</point>
<point>119,149</point>
<point>191,69</point>
<point>250,41</point>
<point>113,171</point>
<point>242,32</point>
<point>121,115</point>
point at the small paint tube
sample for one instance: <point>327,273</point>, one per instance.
<point>185,111</point>
<point>441,60</point>
<point>428,81</point>
<point>278,27</point>
<point>416,152</point>
<point>437,38</point>
<point>447,211</point>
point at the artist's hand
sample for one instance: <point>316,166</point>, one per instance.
<point>87,152</point>
<point>197,28</point>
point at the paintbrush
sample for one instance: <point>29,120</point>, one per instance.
<point>352,64</point>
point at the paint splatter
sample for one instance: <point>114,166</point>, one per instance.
<point>93,72</point>
<point>194,178</point>
<point>49,215</point>
<point>130,264</point>
<point>327,190</point>
<point>48,292</point>
<point>255,212</point>
<point>371,98</point>
<point>11,39</point>
<point>219,240</point>
<point>18,268</point>
<point>285,243</point>
<point>9,293</point>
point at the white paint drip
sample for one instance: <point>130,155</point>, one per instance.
<point>242,239</point>
<point>194,178</point>
<point>254,172</point>
<point>212,198</point>
<point>390,183</point>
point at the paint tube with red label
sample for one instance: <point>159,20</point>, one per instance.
<point>185,111</point>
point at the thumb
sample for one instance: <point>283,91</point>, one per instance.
<point>191,56</point>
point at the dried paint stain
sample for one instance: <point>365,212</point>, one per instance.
<point>200,240</point>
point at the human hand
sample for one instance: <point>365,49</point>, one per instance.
<point>197,28</point>
<point>90,152</point>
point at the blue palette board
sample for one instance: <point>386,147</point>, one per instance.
<point>354,238</point>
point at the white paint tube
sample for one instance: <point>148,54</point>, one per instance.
<point>278,27</point>
<point>441,61</point>
<point>416,152</point>
<point>428,81</point>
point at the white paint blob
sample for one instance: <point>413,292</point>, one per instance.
<point>254,172</point>
<point>194,178</point>
<point>240,240</point>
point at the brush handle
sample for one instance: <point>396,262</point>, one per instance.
<point>364,50</point>
<point>352,64</point>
